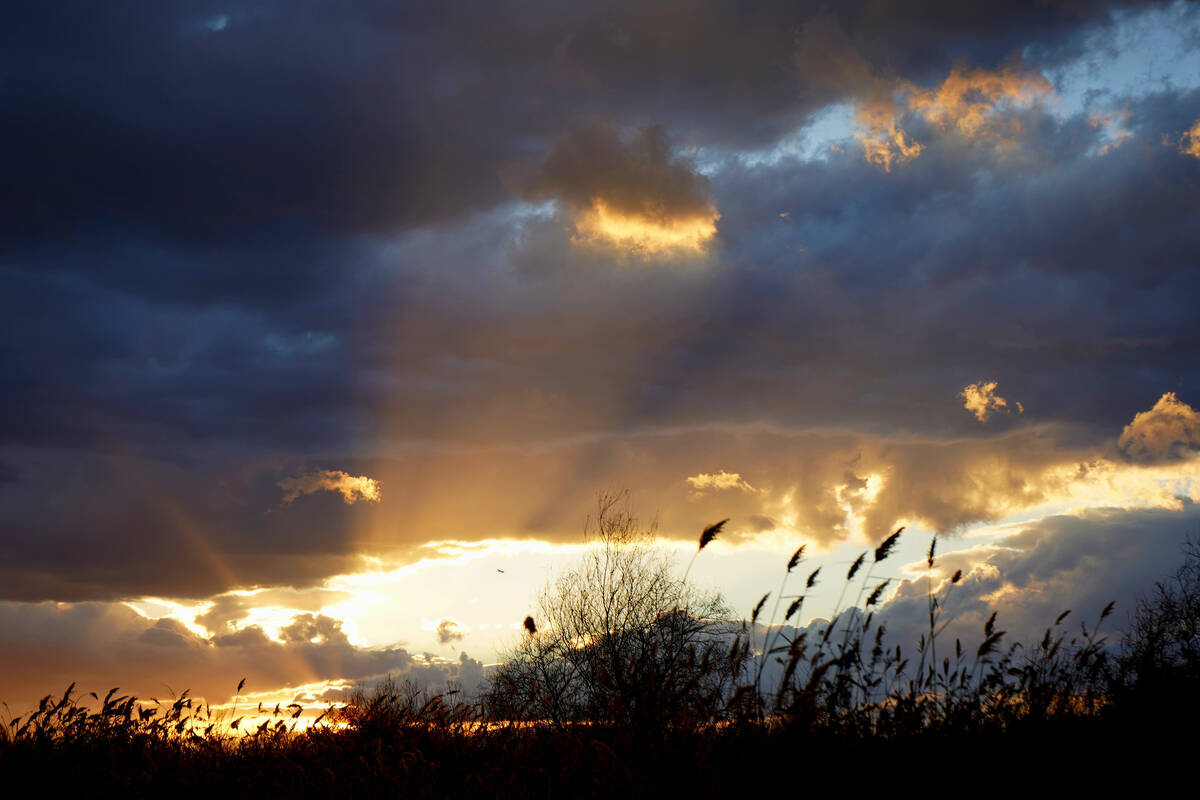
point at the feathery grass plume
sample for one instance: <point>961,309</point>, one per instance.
<point>710,533</point>
<point>530,626</point>
<point>1058,620</point>
<point>873,598</point>
<point>957,576</point>
<point>793,607</point>
<point>932,550</point>
<point>989,644</point>
<point>706,537</point>
<point>885,548</point>
<point>858,562</point>
<point>812,578</point>
<point>796,556</point>
<point>758,608</point>
<point>770,638</point>
<point>1108,609</point>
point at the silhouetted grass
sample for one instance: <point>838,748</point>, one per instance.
<point>846,701</point>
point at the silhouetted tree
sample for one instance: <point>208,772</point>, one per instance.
<point>618,639</point>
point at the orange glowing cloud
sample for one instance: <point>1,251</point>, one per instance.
<point>1189,143</point>
<point>882,141</point>
<point>969,103</point>
<point>968,100</point>
<point>352,488</point>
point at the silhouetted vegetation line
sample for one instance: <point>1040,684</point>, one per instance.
<point>629,681</point>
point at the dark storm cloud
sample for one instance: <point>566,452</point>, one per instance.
<point>1018,263</point>
<point>78,525</point>
<point>212,122</point>
<point>640,177</point>
<point>909,290</point>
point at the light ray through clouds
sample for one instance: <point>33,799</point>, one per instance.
<point>1162,473</point>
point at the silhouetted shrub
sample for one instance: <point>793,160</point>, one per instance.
<point>1158,666</point>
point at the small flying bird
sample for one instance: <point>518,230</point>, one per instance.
<point>499,570</point>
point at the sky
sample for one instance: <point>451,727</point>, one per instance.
<point>325,325</point>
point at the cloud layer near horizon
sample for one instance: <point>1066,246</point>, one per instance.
<point>99,646</point>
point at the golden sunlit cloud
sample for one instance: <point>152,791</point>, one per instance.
<point>718,481</point>
<point>968,100</point>
<point>969,103</point>
<point>1189,143</point>
<point>982,401</point>
<point>602,225</point>
<point>882,141</point>
<point>352,488</point>
<point>1169,431</point>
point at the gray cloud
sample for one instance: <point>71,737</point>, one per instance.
<point>449,630</point>
<point>1078,563</point>
<point>640,177</point>
<point>44,647</point>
